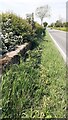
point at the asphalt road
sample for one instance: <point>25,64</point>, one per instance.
<point>60,37</point>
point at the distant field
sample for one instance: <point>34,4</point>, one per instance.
<point>61,28</point>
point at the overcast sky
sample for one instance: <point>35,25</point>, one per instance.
<point>22,7</point>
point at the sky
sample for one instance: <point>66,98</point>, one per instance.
<point>22,7</point>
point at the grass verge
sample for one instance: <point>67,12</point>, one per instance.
<point>61,28</point>
<point>36,87</point>
<point>53,75</point>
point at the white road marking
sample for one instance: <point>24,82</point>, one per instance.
<point>59,48</point>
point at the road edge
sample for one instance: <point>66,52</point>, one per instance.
<point>60,50</point>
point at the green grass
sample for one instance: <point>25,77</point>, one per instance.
<point>53,74</point>
<point>36,87</point>
<point>61,28</point>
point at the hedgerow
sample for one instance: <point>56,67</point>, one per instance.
<point>15,31</point>
<point>20,84</point>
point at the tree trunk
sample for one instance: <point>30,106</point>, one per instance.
<point>41,21</point>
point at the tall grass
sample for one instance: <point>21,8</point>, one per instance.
<point>36,87</point>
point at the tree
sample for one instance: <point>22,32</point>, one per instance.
<point>66,25</point>
<point>52,25</point>
<point>58,23</point>
<point>45,24</point>
<point>42,12</point>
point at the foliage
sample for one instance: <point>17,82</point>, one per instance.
<point>36,87</point>
<point>61,28</point>
<point>52,25</point>
<point>38,30</point>
<point>17,24</point>
<point>16,31</point>
<point>65,24</point>
<point>45,24</point>
<point>22,86</point>
<point>58,24</point>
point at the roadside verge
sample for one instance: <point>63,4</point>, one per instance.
<point>59,48</point>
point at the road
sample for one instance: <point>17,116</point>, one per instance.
<point>60,39</point>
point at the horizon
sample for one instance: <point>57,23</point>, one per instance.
<point>21,8</point>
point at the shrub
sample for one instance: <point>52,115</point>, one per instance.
<point>15,30</point>
<point>17,24</point>
<point>38,29</point>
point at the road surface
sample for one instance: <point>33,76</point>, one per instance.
<point>60,39</point>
